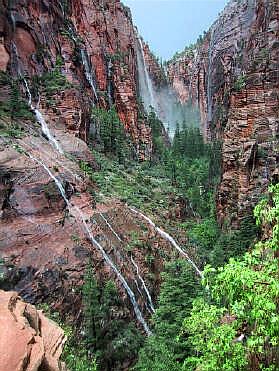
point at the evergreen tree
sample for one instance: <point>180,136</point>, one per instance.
<point>112,340</point>
<point>162,351</point>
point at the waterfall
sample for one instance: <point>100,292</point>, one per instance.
<point>110,227</point>
<point>39,116</point>
<point>167,237</point>
<point>88,71</point>
<point>134,264</point>
<point>143,285</point>
<point>75,210</point>
<point>145,83</point>
<point>41,120</point>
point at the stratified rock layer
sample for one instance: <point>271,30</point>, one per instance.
<point>28,340</point>
<point>233,76</point>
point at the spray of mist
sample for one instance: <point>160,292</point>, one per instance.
<point>163,100</point>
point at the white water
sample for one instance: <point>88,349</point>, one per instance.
<point>88,72</point>
<point>41,120</point>
<point>39,116</point>
<point>143,285</point>
<point>145,83</point>
<point>110,91</point>
<point>134,264</point>
<point>110,227</point>
<point>73,209</point>
<point>167,237</point>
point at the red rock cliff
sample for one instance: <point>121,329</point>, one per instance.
<point>94,43</point>
<point>233,76</point>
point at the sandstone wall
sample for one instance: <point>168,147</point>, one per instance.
<point>233,77</point>
<point>99,35</point>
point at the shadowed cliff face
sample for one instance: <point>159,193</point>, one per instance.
<point>93,43</point>
<point>233,77</point>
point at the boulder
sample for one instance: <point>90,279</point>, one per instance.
<point>28,339</point>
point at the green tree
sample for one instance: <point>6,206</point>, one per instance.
<point>162,351</point>
<point>110,339</point>
<point>240,325</point>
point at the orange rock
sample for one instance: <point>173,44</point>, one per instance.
<point>28,339</point>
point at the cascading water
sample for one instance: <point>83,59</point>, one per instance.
<point>145,83</point>
<point>110,227</point>
<point>39,116</point>
<point>143,285</point>
<point>41,120</point>
<point>163,99</point>
<point>88,71</point>
<point>134,264</point>
<point>167,237</point>
<point>74,211</point>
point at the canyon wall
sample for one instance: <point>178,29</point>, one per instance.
<point>232,75</point>
<point>57,61</point>
<point>93,44</point>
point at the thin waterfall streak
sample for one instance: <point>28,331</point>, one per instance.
<point>98,245</point>
<point>148,309</point>
<point>167,237</point>
<point>38,114</point>
<point>137,286</point>
<point>41,120</point>
<point>143,285</point>
<point>121,278</point>
<point>110,227</point>
<point>88,72</point>
<point>134,264</point>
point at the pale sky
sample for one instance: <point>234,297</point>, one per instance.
<point>169,25</point>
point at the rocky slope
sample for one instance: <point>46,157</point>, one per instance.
<point>232,75</point>
<point>28,340</point>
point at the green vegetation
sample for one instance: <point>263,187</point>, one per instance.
<point>51,82</point>
<point>233,323</point>
<point>12,107</point>
<point>163,350</point>
<point>75,353</point>
<point>109,135</point>
<point>240,83</point>
<point>110,338</point>
<point>241,324</point>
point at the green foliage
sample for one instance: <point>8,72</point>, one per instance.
<point>75,353</point>
<point>187,52</point>
<point>13,107</point>
<point>110,134</point>
<point>113,340</point>
<point>240,83</point>
<point>194,168</point>
<point>162,351</point>
<point>245,293</point>
<point>52,81</point>
<point>10,129</point>
<point>139,184</point>
<point>157,136</point>
<point>215,246</point>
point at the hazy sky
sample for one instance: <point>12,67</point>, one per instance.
<point>169,25</point>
